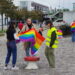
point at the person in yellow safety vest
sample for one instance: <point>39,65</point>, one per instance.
<point>51,44</point>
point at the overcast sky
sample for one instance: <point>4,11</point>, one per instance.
<point>54,3</point>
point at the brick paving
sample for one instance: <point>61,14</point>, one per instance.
<point>65,59</point>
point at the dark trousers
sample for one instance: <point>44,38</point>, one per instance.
<point>27,49</point>
<point>49,53</point>
<point>73,36</point>
<point>11,50</point>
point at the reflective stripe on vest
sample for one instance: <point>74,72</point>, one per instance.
<point>48,39</point>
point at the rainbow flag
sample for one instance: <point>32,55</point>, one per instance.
<point>59,33</point>
<point>73,27</point>
<point>34,37</point>
<point>27,36</point>
<point>39,40</point>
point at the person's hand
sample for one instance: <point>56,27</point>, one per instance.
<point>16,37</point>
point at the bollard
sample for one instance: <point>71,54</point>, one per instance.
<point>32,62</point>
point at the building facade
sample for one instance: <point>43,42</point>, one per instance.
<point>74,6</point>
<point>31,5</point>
<point>69,17</point>
<point>5,20</point>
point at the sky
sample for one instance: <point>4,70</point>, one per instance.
<point>54,3</point>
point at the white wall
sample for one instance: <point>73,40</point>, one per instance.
<point>29,6</point>
<point>3,20</point>
<point>69,17</point>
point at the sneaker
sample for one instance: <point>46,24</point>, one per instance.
<point>15,68</point>
<point>7,68</point>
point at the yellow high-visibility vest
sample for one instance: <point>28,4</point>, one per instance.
<point>48,39</point>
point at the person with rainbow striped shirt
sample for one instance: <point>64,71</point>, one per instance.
<point>73,31</point>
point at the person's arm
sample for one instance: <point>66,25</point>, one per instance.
<point>53,38</point>
<point>13,32</point>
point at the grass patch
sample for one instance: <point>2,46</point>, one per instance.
<point>2,32</point>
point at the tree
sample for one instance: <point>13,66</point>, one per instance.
<point>24,14</point>
<point>10,10</point>
<point>5,6</point>
<point>36,15</point>
<point>2,9</point>
<point>66,10</point>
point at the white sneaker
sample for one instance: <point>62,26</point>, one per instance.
<point>7,68</point>
<point>15,68</point>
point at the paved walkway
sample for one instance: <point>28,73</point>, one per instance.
<point>65,60</point>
